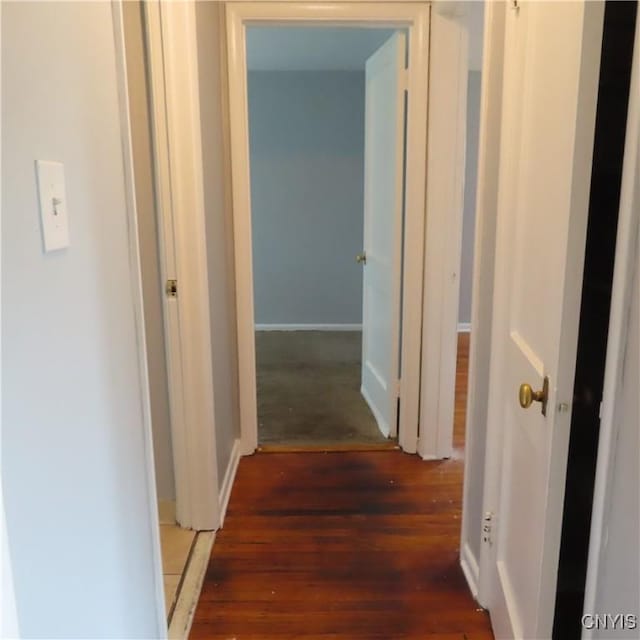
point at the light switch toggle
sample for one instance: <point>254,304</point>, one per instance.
<point>53,204</point>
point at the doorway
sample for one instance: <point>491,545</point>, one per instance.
<point>326,124</point>
<point>413,333</point>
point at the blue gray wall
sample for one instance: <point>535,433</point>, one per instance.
<point>307,177</point>
<point>307,149</point>
<point>470,180</point>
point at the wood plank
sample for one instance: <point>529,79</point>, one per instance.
<point>343,545</point>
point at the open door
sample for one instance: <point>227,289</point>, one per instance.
<point>383,211</point>
<point>550,91</point>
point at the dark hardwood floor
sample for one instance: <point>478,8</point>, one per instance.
<point>344,545</point>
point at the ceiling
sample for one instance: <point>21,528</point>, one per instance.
<point>338,48</point>
<point>312,48</point>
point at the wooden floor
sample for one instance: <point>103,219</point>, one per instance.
<point>343,545</point>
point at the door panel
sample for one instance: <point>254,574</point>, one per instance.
<point>550,89</point>
<point>384,160</point>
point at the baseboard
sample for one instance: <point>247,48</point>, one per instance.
<point>376,414</point>
<point>229,477</point>
<point>308,327</point>
<point>191,586</point>
<point>470,568</point>
<point>167,511</point>
<point>463,327</point>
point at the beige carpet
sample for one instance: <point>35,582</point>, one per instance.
<point>309,389</point>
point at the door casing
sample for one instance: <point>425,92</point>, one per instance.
<point>429,203</point>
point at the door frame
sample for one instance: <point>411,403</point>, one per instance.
<point>626,264</point>
<point>117,13</point>
<point>170,31</point>
<point>429,208</point>
<point>482,296</point>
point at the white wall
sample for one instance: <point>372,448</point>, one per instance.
<point>149,258</point>
<point>307,195</point>
<point>80,533</point>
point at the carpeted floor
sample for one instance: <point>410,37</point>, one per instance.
<point>309,389</point>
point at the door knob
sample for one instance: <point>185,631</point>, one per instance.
<point>528,396</point>
<point>361,258</point>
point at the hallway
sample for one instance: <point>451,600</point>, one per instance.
<point>349,545</point>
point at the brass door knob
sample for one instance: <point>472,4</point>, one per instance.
<point>361,258</point>
<point>528,396</point>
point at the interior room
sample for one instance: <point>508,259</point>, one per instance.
<point>307,134</point>
<point>307,152</point>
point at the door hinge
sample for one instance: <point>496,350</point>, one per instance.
<point>171,288</point>
<point>398,388</point>
<point>487,527</point>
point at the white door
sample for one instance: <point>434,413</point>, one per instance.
<point>550,91</point>
<point>383,202</point>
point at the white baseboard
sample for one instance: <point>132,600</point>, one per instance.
<point>229,477</point>
<point>383,427</point>
<point>167,511</point>
<point>192,581</point>
<point>308,327</point>
<point>463,327</point>
<point>470,568</point>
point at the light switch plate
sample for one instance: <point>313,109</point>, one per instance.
<point>53,204</point>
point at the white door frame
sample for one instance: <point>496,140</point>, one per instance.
<point>483,275</point>
<point>446,149</point>
<point>423,209</point>
<point>138,310</point>
<point>626,263</point>
<point>175,110</point>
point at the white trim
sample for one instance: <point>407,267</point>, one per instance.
<point>470,568</point>
<point>175,106</point>
<point>138,310</point>
<point>229,478</point>
<point>464,327</point>
<point>376,414</point>
<point>191,587</point>
<point>483,270</point>
<point>166,251</point>
<point>415,17</point>
<point>308,327</point>
<point>448,77</point>
<point>626,262</point>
